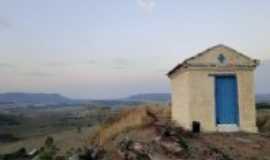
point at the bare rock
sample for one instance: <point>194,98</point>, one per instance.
<point>243,140</point>
<point>131,150</point>
<point>172,147</point>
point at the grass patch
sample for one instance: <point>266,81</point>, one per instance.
<point>125,120</point>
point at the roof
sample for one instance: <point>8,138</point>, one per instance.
<point>185,62</point>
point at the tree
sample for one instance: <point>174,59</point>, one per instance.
<point>49,150</point>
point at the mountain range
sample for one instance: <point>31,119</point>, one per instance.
<point>154,97</point>
<point>43,99</point>
<point>33,98</point>
<point>263,98</point>
<point>57,99</point>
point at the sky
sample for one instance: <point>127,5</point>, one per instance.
<point>116,48</point>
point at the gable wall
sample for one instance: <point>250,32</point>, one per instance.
<point>232,57</point>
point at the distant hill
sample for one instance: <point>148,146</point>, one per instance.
<point>33,98</point>
<point>166,97</point>
<point>114,103</point>
<point>263,98</point>
<point>133,100</point>
<point>43,99</point>
<point>263,78</point>
<point>39,99</point>
<point>151,97</point>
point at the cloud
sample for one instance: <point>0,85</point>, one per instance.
<point>162,71</point>
<point>121,63</point>
<point>70,64</point>
<point>57,64</point>
<point>38,74</point>
<point>91,61</point>
<point>147,5</point>
<point>6,66</point>
<point>4,23</point>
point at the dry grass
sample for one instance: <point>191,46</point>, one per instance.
<point>64,140</point>
<point>140,117</point>
<point>128,119</point>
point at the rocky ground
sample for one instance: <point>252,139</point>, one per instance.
<point>159,139</point>
<point>172,143</point>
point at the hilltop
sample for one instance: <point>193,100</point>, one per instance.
<point>147,133</point>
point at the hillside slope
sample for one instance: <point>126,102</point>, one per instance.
<point>147,133</point>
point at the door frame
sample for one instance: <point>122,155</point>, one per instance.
<point>237,123</point>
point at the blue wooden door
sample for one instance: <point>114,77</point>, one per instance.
<point>226,100</point>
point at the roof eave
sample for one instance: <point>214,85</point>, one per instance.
<point>181,65</point>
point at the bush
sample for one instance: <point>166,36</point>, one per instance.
<point>263,106</point>
<point>263,121</point>
<point>48,152</point>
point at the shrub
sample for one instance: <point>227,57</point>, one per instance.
<point>262,106</point>
<point>263,121</point>
<point>49,150</point>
